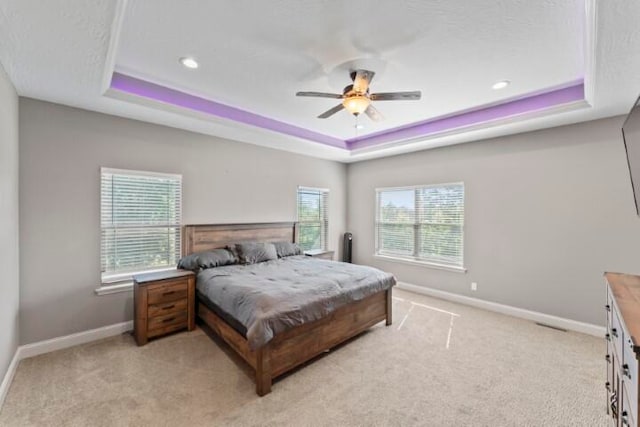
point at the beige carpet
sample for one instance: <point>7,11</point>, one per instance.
<point>439,364</point>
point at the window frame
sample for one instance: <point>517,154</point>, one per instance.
<point>120,282</point>
<point>415,259</point>
<point>324,223</point>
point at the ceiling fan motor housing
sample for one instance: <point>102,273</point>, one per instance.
<point>356,98</point>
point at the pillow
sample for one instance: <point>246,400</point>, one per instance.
<point>253,252</point>
<point>209,259</point>
<point>285,249</point>
<point>232,248</point>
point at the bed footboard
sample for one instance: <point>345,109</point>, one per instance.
<point>389,319</point>
<point>296,346</point>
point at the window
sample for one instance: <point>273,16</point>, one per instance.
<point>313,219</point>
<point>422,224</point>
<point>140,222</point>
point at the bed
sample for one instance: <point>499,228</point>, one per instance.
<point>276,346</point>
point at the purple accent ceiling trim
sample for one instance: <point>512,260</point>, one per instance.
<point>474,117</point>
<point>145,89</point>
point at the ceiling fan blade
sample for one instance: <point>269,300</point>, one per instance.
<point>361,80</point>
<point>320,95</point>
<point>396,96</point>
<point>331,112</point>
<point>373,113</point>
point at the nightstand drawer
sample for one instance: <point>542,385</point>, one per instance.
<point>167,308</point>
<point>160,322</point>
<point>167,292</point>
<point>166,330</point>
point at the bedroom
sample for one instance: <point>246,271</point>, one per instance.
<point>538,166</point>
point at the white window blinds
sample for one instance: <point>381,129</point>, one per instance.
<point>313,218</point>
<point>140,215</point>
<point>423,223</point>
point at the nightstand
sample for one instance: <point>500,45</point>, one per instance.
<point>320,253</point>
<point>163,302</point>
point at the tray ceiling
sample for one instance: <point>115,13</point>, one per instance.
<point>254,56</point>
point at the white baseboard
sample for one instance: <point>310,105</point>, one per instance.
<point>47,346</point>
<point>8,376</point>
<point>547,319</point>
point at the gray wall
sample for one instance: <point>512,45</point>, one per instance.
<point>546,213</point>
<point>9,287</point>
<point>61,152</point>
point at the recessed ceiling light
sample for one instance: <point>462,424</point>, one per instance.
<point>189,62</point>
<point>501,85</point>
<point>359,126</point>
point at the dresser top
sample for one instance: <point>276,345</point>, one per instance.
<point>626,290</point>
<point>161,275</point>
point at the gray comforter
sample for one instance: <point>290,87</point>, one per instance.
<point>271,297</point>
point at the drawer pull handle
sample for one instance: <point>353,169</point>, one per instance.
<point>614,332</point>
<point>169,307</point>
<point>171,319</point>
<point>607,307</point>
<point>164,294</point>
<point>607,337</point>
<point>626,371</point>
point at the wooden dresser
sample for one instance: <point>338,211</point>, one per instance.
<point>623,339</point>
<point>164,302</point>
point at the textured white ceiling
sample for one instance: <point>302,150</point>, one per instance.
<point>256,55</point>
<point>59,51</point>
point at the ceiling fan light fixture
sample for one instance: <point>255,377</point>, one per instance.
<point>356,104</point>
<point>356,98</point>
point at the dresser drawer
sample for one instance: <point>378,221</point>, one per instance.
<point>167,308</point>
<point>630,377</point>
<point>627,415</point>
<point>174,319</point>
<point>167,292</point>
<point>616,334</point>
<point>609,308</point>
<point>610,362</point>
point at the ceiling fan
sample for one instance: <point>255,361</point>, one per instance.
<point>356,98</point>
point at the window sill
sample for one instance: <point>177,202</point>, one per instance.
<point>114,289</point>
<point>421,263</point>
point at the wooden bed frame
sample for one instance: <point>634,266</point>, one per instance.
<point>295,346</point>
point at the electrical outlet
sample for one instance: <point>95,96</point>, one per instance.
<point>474,286</point>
